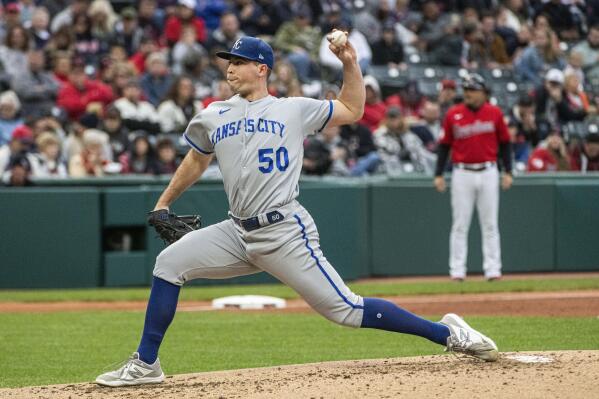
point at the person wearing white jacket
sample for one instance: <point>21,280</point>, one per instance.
<point>179,107</point>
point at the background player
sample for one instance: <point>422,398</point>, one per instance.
<point>258,141</point>
<point>474,131</point>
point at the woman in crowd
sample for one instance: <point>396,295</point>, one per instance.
<point>179,107</point>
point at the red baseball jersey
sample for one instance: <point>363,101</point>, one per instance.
<point>474,135</point>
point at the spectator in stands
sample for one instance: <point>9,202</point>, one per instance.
<point>284,81</point>
<point>410,100</point>
<point>560,19</point>
<point>166,154</point>
<point>87,46</point>
<point>118,74</point>
<point>586,157</point>
<point>362,156</point>
<point>38,30</point>
<point>150,20</point>
<point>428,127</point>
<point>136,113</point>
<point>388,50</point>
<point>228,31</point>
<point>271,17</point>
<point>91,160</point>
<point>375,108</point>
<point>156,81</point>
<point>516,14</point>
<point>79,92</point>
<point>184,17</point>
<point>198,69</point>
<point>9,115</point>
<point>146,47</point>
<point>366,22</point>
<point>300,42</point>
<point>127,32</point>
<point>47,162</point>
<point>248,13</point>
<point>575,96</point>
<point>13,53</point>
<point>103,19</point>
<point>10,18</point>
<point>325,154</point>
<point>62,40</point>
<point>400,150</point>
<point>220,91</point>
<point>179,106</point>
<point>575,61</point>
<point>432,28</point>
<point>523,129</point>
<point>67,16</point>
<point>185,47</point>
<point>19,144</point>
<point>18,173</point>
<point>447,95</point>
<point>36,88</point>
<point>550,155</point>
<point>357,39</point>
<point>589,49</point>
<point>140,158</point>
<point>450,47</point>
<point>61,67</point>
<point>539,56</point>
<point>118,134</point>
<point>494,53</point>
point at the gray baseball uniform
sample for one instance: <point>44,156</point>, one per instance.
<point>259,148</point>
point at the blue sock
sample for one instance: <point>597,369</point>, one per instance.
<point>385,315</point>
<point>159,314</point>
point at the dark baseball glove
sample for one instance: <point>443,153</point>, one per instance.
<point>171,227</point>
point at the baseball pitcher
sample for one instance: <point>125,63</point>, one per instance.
<point>475,132</point>
<point>258,141</point>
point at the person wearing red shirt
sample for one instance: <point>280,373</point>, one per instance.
<point>79,92</point>
<point>374,109</point>
<point>184,17</point>
<point>550,155</point>
<point>475,132</point>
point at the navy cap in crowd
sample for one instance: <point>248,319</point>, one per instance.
<point>250,48</point>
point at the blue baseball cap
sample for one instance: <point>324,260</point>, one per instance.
<point>250,48</point>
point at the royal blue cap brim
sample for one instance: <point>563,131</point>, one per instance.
<point>226,55</point>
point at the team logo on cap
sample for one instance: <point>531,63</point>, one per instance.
<point>237,45</point>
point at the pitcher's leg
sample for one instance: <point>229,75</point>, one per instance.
<point>213,252</point>
<point>462,204</point>
<point>488,209</point>
<point>304,268</point>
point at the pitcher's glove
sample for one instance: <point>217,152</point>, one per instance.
<point>171,227</point>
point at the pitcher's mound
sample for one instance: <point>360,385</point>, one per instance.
<point>568,374</point>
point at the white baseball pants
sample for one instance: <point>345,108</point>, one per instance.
<point>467,189</point>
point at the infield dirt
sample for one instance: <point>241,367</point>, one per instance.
<point>570,374</point>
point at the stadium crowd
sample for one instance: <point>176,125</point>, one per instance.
<point>96,88</point>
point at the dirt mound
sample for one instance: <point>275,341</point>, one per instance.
<point>569,374</point>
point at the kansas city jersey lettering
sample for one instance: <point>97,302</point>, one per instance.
<point>249,126</point>
<point>258,146</point>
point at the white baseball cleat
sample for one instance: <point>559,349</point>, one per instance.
<point>133,372</point>
<point>465,339</point>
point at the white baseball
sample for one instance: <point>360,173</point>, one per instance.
<point>338,38</point>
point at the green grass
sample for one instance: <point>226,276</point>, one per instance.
<point>66,347</point>
<point>363,288</point>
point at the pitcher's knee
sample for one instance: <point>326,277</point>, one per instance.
<point>345,311</point>
<point>166,268</point>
